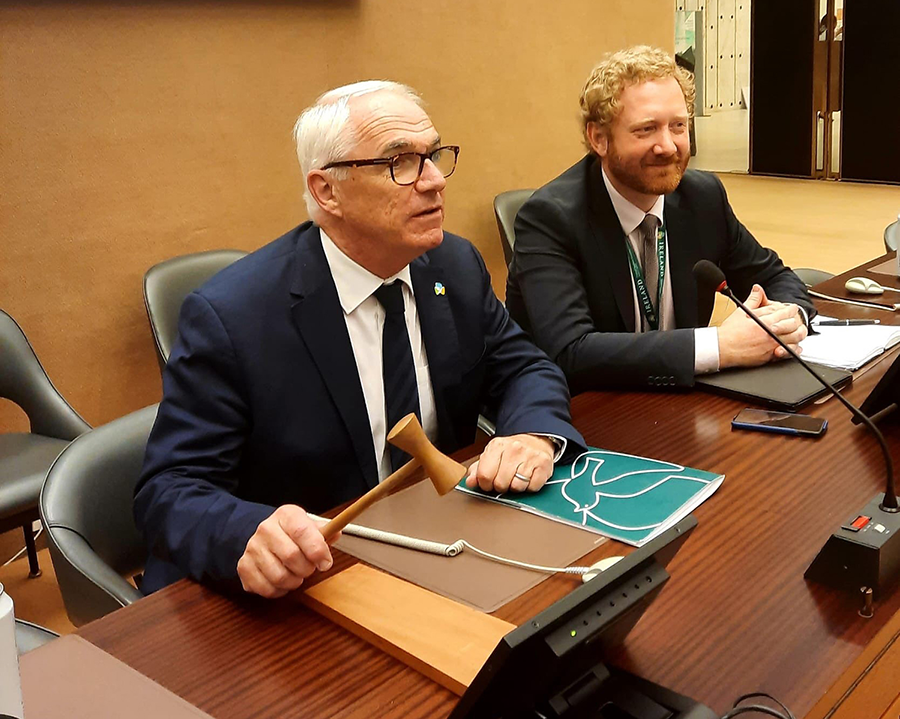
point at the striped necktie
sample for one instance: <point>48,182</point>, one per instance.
<point>650,261</point>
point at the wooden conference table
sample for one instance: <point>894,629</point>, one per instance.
<point>737,615</point>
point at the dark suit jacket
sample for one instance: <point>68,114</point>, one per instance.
<point>263,405</point>
<point>570,287</point>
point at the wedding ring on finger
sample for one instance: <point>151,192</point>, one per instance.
<point>522,477</point>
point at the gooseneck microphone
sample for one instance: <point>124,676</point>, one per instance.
<point>859,554</point>
<point>708,274</point>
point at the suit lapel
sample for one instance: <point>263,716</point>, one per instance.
<point>317,314</point>
<point>610,243</point>
<point>440,338</point>
<point>682,241</point>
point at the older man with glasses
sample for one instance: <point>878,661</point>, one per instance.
<point>293,364</point>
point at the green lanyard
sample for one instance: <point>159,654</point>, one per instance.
<point>638,275</point>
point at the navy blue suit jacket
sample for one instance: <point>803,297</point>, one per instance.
<point>569,284</point>
<point>263,405</point>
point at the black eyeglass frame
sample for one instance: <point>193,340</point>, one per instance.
<point>392,161</point>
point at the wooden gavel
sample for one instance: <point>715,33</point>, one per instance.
<point>409,436</point>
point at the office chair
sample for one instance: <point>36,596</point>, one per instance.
<point>86,507</point>
<point>506,207</point>
<point>26,457</point>
<point>31,636</point>
<point>892,236</point>
<point>167,284</point>
<point>810,276</point>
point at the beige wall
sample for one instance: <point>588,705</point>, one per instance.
<point>133,132</point>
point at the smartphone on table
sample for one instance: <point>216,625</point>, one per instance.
<point>767,420</point>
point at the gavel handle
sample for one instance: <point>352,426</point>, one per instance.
<point>391,484</point>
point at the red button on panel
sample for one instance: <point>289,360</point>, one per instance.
<point>860,522</point>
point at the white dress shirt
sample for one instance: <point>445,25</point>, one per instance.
<point>364,316</point>
<point>706,339</point>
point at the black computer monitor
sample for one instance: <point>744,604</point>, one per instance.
<point>553,665</point>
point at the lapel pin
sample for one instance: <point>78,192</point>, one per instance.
<point>439,289</point>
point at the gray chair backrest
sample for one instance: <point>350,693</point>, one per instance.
<point>809,276</point>
<point>24,381</point>
<point>892,236</point>
<point>31,636</point>
<point>506,207</point>
<point>86,507</point>
<point>168,283</point>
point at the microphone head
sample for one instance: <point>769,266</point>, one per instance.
<point>707,274</point>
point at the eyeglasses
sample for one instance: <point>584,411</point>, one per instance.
<point>406,168</point>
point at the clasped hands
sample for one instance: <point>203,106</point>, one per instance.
<point>288,546</point>
<point>742,343</point>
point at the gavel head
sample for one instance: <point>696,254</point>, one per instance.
<point>443,472</point>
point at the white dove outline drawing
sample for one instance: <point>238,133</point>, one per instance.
<point>598,458</point>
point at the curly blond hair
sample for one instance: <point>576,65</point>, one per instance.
<point>600,97</point>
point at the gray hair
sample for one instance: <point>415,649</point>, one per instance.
<point>322,133</point>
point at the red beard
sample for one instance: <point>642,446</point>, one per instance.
<point>648,175</point>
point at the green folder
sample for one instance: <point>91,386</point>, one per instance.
<point>631,499</point>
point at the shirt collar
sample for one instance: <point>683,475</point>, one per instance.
<point>630,216</point>
<point>354,283</point>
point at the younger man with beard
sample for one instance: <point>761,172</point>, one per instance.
<point>601,275</point>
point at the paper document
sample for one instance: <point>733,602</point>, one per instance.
<point>632,499</point>
<point>848,347</point>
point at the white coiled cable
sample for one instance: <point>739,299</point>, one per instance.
<point>446,550</point>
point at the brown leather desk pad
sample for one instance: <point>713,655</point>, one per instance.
<point>467,578</point>
<point>70,678</point>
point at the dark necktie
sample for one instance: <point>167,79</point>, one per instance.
<point>650,262</point>
<point>401,393</point>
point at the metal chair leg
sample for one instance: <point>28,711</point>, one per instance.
<point>33,566</point>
